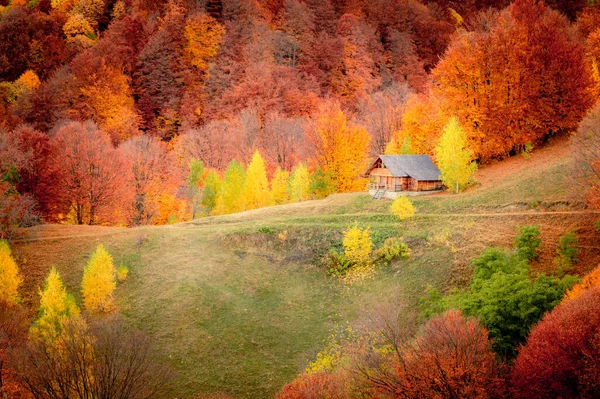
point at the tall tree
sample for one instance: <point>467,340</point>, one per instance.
<point>516,77</point>
<point>340,148</point>
<point>92,175</point>
<point>229,198</point>
<point>99,281</point>
<point>153,172</point>
<point>454,157</point>
<point>10,278</point>
<point>256,186</point>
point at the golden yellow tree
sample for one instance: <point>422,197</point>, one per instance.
<point>340,148</point>
<point>279,187</point>
<point>203,35</point>
<point>98,283</point>
<point>10,279</point>
<point>402,208</point>
<point>454,157</point>
<point>57,308</point>
<point>256,185</point>
<point>229,197</point>
<point>357,244</point>
<point>299,186</point>
<point>29,80</point>
<point>109,101</point>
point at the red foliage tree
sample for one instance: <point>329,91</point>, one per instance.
<point>562,355</point>
<point>450,358</point>
<point>91,174</point>
<point>313,386</point>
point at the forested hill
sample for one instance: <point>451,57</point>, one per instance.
<point>216,81</point>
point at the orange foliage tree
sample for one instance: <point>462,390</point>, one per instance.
<point>153,173</point>
<point>515,78</point>
<point>313,386</point>
<point>562,354</point>
<point>450,358</point>
<point>591,280</point>
<point>340,148</point>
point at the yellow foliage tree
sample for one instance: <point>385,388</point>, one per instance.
<point>341,149</point>
<point>454,157</point>
<point>229,197</point>
<point>357,244</point>
<point>299,187</point>
<point>109,101</point>
<point>256,185</point>
<point>57,308</point>
<point>589,281</point>
<point>279,187</point>
<point>29,80</point>
<point>78,30</point>
<point>203,35</point>
<point>422,123</point>
<point>98,283</point>
<point>10,279</point>
<point>402,208</point>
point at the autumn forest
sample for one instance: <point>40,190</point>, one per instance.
<point>118,116</point>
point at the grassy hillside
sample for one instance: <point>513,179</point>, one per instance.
<point>239,304</point>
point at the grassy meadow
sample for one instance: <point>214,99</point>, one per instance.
<point>239,304</point>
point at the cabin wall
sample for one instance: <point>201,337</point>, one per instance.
<point>428,185</point>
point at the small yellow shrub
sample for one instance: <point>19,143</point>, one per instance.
<point>589,281</point>
<point>357,244</point>
<point>122,272</point>
<point>57,308</point>
<point>98,284</point>
<point>10,279</point>
<point>402,208</point>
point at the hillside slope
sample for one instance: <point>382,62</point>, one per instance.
<point>239,304</point>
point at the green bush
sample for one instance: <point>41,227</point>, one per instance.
<point>528,242</point>
<point>393,248</point>
<point>336,263</point>
<point>597,225</point>
<point>266,230</point>
<point>567,252</point>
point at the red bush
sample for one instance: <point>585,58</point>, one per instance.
<point>562,354</point>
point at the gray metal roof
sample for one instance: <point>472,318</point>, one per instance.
<point>419,167</point>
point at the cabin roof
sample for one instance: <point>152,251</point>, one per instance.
<point>419,167</point>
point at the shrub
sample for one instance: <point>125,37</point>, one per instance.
<point>98,283</point>
<point>57,308</point>
<point>506,300</point>
<point>528,242</point>
<point>313,386</point>
<point>357,244</point>
<point>567,252</point>
<point>10,279</point>
<point>122,272</point>
<point>589,281</point>
<point>450,358</point>
<point>562,356</point>
<point>402,208</point>
<point>336,263</point>
<point>393,248</point>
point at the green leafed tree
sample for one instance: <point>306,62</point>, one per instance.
<point>230,198</point>
<point>212,184</point>
<point>454,157</point>
<point>299,187</point>
<point>256,184</point>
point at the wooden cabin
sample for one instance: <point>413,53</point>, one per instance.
<point>403,173</point>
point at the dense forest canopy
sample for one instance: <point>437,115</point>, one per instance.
<point>216,81</point>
